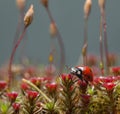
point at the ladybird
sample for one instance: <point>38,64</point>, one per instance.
<point>82,72</point>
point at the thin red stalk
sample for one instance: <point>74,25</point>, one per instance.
<point>101,49</point>
<point>105,40</point>
<point>59,37</point>
<point>22,51</point>
<point>85,45</point>
<point>19,26</point>
<point>12,57</point>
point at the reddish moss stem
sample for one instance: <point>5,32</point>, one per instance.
<point>19,26</point>
<point>105,40</point>
<point>101,49</point>
<point>85,45</point>
<point>12,57</point>
<point>60,41</point>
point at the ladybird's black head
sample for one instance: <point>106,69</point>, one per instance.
<point>77,72</point>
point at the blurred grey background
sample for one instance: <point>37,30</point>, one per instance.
<point>68,15</point>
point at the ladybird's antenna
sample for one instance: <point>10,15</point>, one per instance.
<point>67,67</point>
<point>59,74</point>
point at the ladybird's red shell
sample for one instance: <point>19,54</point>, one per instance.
<point>86,72</point>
